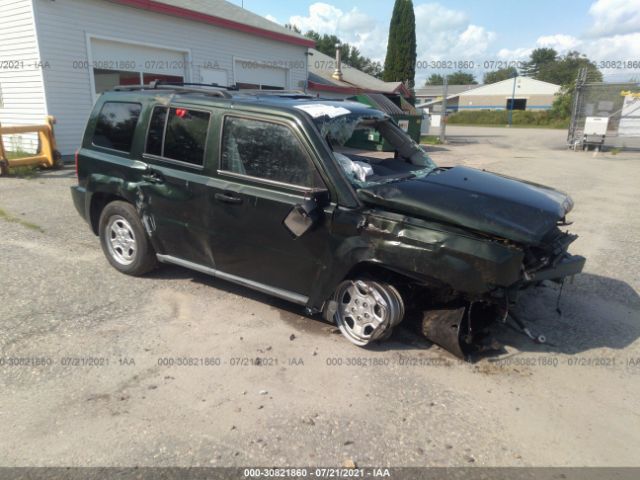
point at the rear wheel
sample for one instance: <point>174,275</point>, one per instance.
<point>367,310</point>
<point>124,241</point>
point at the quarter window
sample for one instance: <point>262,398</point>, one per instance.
<point>266,150</point>
<point>184,138</point>
<point>116,125</point>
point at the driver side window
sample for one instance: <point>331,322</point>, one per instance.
<point>266,150</point>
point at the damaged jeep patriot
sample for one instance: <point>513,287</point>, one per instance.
<point>328,204</point>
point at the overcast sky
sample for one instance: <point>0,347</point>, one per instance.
<point>476,30</point>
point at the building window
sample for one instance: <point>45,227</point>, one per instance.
<point>184,137</point>
<point>107,79</point>
<point>256,86</point>
<point>268,151</point>
<point>518,104</point>
<point>116,125</point>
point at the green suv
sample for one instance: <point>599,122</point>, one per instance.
<point>295,197</point>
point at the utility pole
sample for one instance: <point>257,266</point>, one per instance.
<point>443,117</point>
<point>513,98</point>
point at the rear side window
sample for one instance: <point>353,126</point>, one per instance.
<point>266,150</point>
<point>178,134</point>
<point>156,131</point>
<point>116,125</point>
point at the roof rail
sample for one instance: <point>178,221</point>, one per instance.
<point>277,93</point>
<point>212,90</point>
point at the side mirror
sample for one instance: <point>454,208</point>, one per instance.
<point>303,216</point>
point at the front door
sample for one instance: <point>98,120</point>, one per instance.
<point>264,171</point>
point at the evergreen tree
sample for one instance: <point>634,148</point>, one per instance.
<point>400,62</point>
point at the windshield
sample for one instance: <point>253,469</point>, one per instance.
<point>374,150</point>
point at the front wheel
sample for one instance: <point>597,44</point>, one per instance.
<point>124,241</point>
<point>367,311</point>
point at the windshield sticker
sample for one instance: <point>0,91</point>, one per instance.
<point>321,110</point>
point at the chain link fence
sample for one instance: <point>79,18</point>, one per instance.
<point>612,107</point>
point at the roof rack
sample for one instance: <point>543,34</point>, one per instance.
<point>213,90</point>
<point>278,93</point>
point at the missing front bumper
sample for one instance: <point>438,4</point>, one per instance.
<point>568,266</point>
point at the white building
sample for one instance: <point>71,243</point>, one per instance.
<point>527,94</point>
<point>56,56</point>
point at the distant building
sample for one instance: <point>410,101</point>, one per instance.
<point>429,93</point>
<point>529,94</point>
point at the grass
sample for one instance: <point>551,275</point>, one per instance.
<point>18,154</point>
<point>23,172</point>
<point>430,140</point>
<point>616,150</point>
<point>7,217</point>
<point>502,125</point>
<point>500,118</point>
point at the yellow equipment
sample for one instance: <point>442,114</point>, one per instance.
<point>47,156</point>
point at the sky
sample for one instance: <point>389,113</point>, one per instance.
<point>482,33</point>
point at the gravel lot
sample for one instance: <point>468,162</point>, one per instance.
<point>574,401</point>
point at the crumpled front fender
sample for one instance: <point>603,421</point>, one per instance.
<point>426,252</point>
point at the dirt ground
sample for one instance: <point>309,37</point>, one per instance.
<point>180,369</point>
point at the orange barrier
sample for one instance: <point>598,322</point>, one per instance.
<point>47,156</point>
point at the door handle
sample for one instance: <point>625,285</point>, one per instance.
<point>228,198</point>
<point>153,176</point>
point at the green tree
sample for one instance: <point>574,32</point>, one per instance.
<point>500,75</point>
<point>564,70</point>
<point>435,79</point>
<point>538,60</point>
<point>456,78</point>
<point>350,55</point>
<point>400,62</point>
<point>461,78</point>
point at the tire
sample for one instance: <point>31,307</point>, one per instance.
<point>367,311</point>
<point>124,241</point>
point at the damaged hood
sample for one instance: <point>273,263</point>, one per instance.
<point>494,204</point>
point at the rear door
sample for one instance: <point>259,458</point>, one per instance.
<point>176,193</point>
<point>264,170</point>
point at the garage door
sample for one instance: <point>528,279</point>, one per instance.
<point>120,63</point>
<point>253,75</point>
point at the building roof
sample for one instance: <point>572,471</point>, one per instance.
<point>321,68</point>
<point>524,85</point>
<point>222,14</point>
<point>436,90</point>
